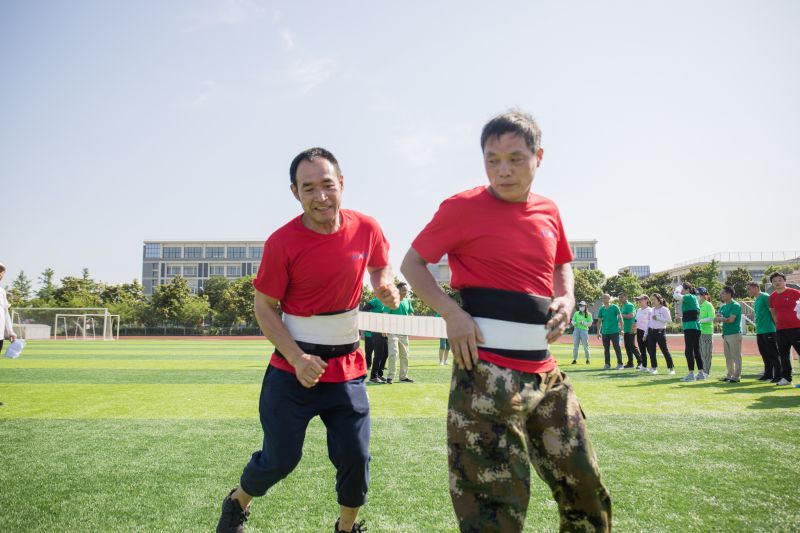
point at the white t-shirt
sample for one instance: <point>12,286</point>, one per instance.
<point>660,318</point>
<point>643,318</point>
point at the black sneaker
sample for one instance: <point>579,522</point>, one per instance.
<point>375,380</point>
<point>233,517</point>
<point>358,527</point>
<point>775,380</point>
<point>407,380</point>
<point>388,381</point>
<point>574,362</point>
<point>382,379</point>
<point>764,378</point>
<point>629,365</point>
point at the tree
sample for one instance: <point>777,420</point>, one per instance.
<point>19,295</point>
<point>738,279</point>
<point>588,286</point>
<point>45,295</point>
<point>193,310</point>
<point>168,300</point>
<point>660,283</point>
<point>626,282</point>
<point>78,292</point>
<point>236,303</point>
<point>127,300</point>
<point>706,276</point>
<point>785,269</point>
<point>214,288</point>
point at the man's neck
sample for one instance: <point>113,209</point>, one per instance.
<point>780,291</point>
<point>326,228</point>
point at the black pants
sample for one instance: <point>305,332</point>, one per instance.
<point>630,348</point>
<point>286,408</point>
<point>640,333</point>
<point>369,347</point>
<point>658,337</point>
<point>691,338</point>
<point>380,347</point>
<point>787,338</point>
<point>768,348</point>
<point>611,338</point>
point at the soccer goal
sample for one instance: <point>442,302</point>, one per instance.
<point>72,323</point>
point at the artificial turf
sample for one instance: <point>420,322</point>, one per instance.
<point>147,435</point>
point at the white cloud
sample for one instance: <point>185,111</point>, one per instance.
<point>423,148</point>
<point>311,72</point>
<point>287,40</point>
<point>224,12</point>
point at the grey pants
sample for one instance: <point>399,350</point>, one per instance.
<point>706,347</point>
<point>733,354</point>
<point>580,336</point>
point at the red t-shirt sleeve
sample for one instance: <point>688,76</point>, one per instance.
<point>441,235</point>
<point>273,272</point>
<point>563,251</point>
<point>379,254</point>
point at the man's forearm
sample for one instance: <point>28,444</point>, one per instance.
<point>563,282</point>
<point>275,330</point>
<point>415,270</point>
<point>382,276</point>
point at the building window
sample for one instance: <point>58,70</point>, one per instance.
<point>234,271</point>
<point>584,252</point>
<point>172,252</point>
<point>193,252</point>
<point>215,252</point>
<point>255,267</point>
<point>255,252</point>
<point>236,252</point>
<point>216,270</point>
<point>190,271</point>
<point>152,251</point>
<point>173,270</point>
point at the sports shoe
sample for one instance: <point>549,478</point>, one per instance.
<point>783,382</point>
<point>644,369</point>
<point>734,380</point>
<point>407,380</point>
<point>606,367</point>
<point>233,516</point>
<point>382,379</point>
<point>700,376</point>
<point>587,361</point>
<point>358,527</point>
<point>688,377</point>
<point>776,380</point>
<point>671,372</point>
<point>629,365</point>
<point>764,377</point>
<point>375,380</point>
<point>654,371</point>
<point>388,381</point>
<point>574,362</point>
<point>619,367</point>
<point>726,378</point>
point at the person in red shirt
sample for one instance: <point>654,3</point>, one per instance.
<point>781,305</point>
<point>313,267</point>
<point>509,405</point>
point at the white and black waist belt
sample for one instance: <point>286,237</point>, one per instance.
<point>512,323</point>
<point>326,335</point>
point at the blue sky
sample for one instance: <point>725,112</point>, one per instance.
<point>671,129</point>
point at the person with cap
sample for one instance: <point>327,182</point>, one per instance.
<point>5,318</point>
<point>629,330</point>
<point>690,311</point>
<point>706,322</point>
<point>581,321</point>
<point>642,322</point>
<point>609,325</point>
<point>765,334</point>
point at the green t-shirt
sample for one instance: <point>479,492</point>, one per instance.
<point>764,322</point>
<point>628,323</point>
<point>582,320</point>
<point>377,306</point>
<point>707,311</point>
<point>403,309</point>
<point>689,303</point>
<point>731,308</point>
<point>610,317</point>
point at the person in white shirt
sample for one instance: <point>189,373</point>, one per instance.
<point>642,323</point>
<point>657,333</point>
<point>5,319</point>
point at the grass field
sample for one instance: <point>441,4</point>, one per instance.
<point>149,436</point>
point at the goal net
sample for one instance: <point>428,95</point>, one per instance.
<point>78,323</point>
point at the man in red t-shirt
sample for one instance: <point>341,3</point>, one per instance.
<point>313,267</point>
<point>509,405</point>
<point>781,304</point>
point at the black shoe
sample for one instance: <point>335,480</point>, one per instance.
<point>732,380</point>
<point>358,527</point>
<point>233,517</point>
<point>574,362</point>
<point>764,378</point>
<point>775,380</point>
<point>375,380</point>
<point>388,381</point>
<point>587,361</point>
<point>407,380</point>
<point>629,365</point>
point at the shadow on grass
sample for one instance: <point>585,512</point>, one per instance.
<point>775,402</point>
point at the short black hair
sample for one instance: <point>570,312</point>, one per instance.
<point>309,155</point>
<point>777,275</point>
<point>729,290</point>
<point>402,284</point>
<point>517,122</point>
<point>689,287</point>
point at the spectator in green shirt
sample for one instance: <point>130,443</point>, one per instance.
<point>730,315</point>
<point>609,324</point>
<point>398,344</point>
<point>629,330</point>
<point>690,311</point>
<point>581,320</point>
<point>706,322</point>
<point>765,334</point>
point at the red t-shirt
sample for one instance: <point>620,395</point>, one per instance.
<point>312,273</point>
<point>783,304</point>
<point>499,245</point>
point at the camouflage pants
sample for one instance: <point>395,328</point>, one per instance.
<point>499,422</point>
